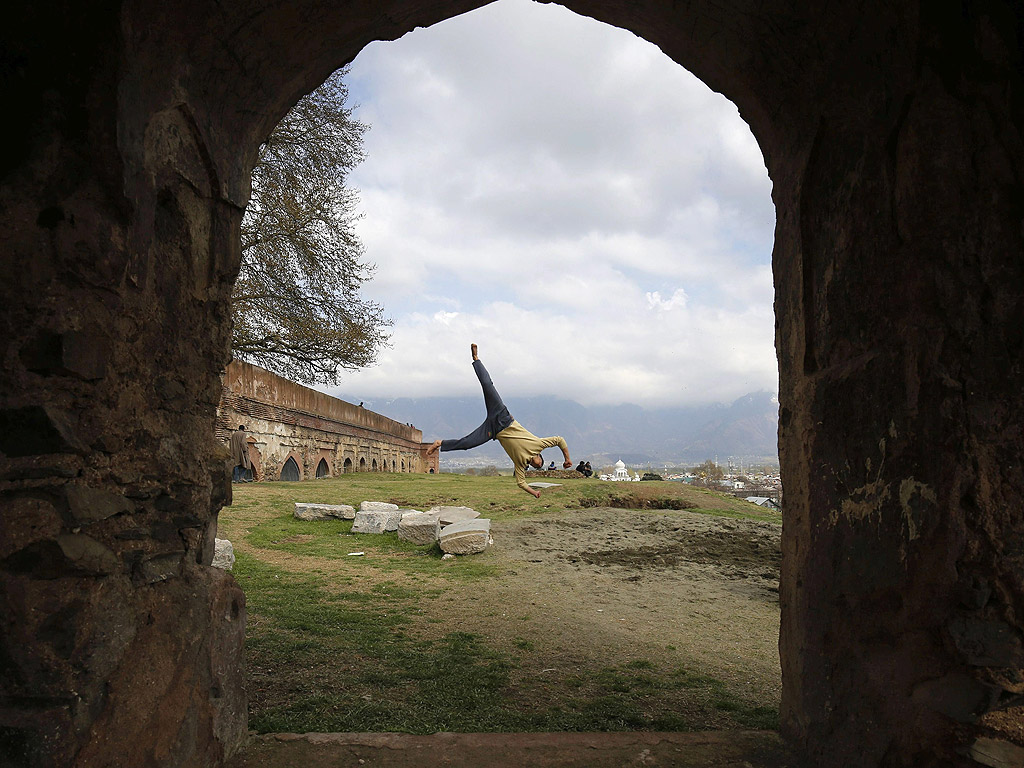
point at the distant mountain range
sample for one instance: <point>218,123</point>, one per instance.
<point>745,429</point>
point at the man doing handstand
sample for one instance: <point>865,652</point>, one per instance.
<point>521,445</point>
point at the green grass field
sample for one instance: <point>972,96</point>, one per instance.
<point>348,643</point>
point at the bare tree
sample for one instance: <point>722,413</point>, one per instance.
<point>708,473</point>
<point>296,304</point>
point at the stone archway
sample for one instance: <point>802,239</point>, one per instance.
<point>892,133</point>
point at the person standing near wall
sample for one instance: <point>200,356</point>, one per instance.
<point>240,456</point>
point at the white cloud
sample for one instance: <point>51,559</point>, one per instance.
<point>445,318</point>
<point>677,299</point>
<point>545,185</point>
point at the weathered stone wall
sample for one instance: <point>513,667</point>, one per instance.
<point>285,419</point>
<point>899,274</point>
<point>893,135</point>
<point>120,645</point>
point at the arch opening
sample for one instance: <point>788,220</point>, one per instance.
<point>290,470</point>
<point>655,308</point>
<point>322,469</point>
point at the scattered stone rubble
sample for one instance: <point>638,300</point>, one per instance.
<point>377,506</point>
<point>459,530</point>
<point>450,515</point>
<point>466,538</point>
<point>223,554</point>
<point>419,527</point>
<point>376,517</point>
<point>324,512</point>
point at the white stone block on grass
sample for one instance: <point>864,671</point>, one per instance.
<point>419,527</point>
<point>377,521</point>
<point>450,515</point>
<point>223,554</point>
<point>324,511</point>
<point>466,538</point>
<point>377,506</point>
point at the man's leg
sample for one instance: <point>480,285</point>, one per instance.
<point>492,400</point>
<point>478,436</point>
<point>497,414</point>
<point>497,418</point>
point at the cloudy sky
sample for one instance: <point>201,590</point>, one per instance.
<point>562,193</point>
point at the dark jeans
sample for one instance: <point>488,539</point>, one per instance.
<point>497,419</point>
<point>240,474</point>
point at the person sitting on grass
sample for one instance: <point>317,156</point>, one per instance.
<point>521,445</point>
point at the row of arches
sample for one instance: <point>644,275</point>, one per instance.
<point>290,469</point>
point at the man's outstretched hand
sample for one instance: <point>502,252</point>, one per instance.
<point>567,464</point>
<point>433,447</point>
<point>535,493</point>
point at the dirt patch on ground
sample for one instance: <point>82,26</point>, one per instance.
<point>639,502</point>
<point>740,552</point>
<point>603,586</point>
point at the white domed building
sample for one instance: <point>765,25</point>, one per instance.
<point>621,474</point>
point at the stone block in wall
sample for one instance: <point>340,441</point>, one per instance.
<point>88,505</point>
<point>466,538</point>
<point>324,511</point>
<point>89,555</point>
<point>419,527</point>
<point>450,515</point>
<point>160,567</point>
<point>26,521</point>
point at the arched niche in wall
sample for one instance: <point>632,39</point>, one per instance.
<point>290,470</point>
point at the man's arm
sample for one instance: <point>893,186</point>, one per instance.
<point>521,482</point>
<point>550,442</point>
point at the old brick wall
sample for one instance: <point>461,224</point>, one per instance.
<point>286,419</point>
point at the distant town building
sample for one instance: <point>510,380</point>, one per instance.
<point>763,501</point>
<point>621,474</point>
